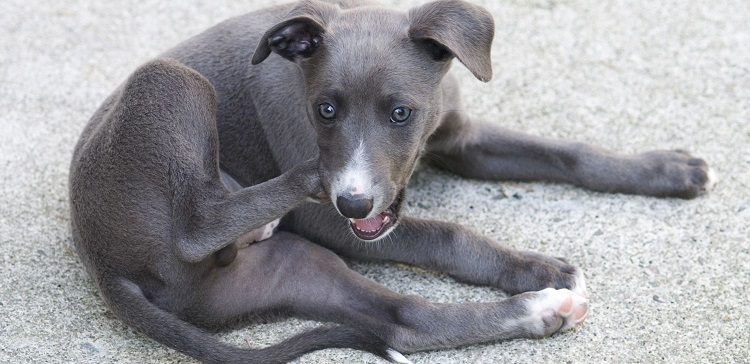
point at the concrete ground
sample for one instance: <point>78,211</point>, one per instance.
<point>669,279</point>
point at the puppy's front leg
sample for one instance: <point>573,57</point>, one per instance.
<point>478,149</point>
<point>470,257</point>
<point>312,282</point>
<point>220,218</point>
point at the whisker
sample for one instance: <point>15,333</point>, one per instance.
<point>431,156</point>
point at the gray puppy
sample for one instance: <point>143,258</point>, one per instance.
<point>321,101</point>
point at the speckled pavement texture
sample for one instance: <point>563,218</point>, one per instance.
<point>669,279</point>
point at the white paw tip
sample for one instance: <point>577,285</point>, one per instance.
<point>713,178</point>
<point>572,307</point>
<point>580,308</point>
<point>397,357</point>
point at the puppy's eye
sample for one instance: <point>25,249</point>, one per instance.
<point>327,111</point>
<point>400,114</point>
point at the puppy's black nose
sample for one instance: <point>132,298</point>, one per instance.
<point>354,206</point>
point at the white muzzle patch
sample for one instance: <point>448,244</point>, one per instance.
<point>356,178</point>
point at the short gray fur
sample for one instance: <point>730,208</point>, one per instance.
<point>153,221</point>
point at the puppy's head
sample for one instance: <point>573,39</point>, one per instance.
<point>372,79</point>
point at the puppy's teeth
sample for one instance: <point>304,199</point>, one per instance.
<point>386,219</point>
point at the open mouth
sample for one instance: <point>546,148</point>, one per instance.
<point>380,224</point>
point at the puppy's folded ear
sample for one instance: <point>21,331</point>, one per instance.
<point>455,28</point>
<point>300,35</point>
<point>292,39</point>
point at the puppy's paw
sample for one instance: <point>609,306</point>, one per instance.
<point>554,310</point>
<point>533,272</point>
<point>262,233</point>
<point>266,231</point>
<point>674,173</point>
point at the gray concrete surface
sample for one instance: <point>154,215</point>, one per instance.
<point>669,279</point>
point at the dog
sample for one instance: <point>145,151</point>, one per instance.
<point>317,113</point>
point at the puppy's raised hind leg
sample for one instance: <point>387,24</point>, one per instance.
<point>262,233</point>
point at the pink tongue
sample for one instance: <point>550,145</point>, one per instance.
<point>372,224</point>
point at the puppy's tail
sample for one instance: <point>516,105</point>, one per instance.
<point>128,302</point>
